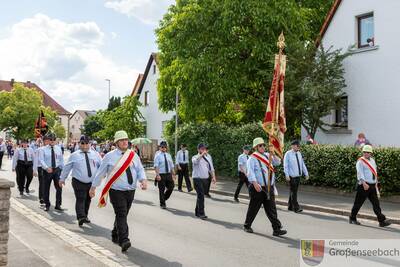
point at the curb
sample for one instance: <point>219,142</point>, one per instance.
<point>310,207</point>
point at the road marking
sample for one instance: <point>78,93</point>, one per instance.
<point>78,242</point>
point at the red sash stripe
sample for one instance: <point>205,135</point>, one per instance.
<point>264,160</point>
<point>107,187</point>
<point>370,167</point>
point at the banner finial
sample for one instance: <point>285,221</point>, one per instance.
<point>281,42</point>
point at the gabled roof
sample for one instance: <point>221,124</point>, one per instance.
<point>48,101</point>
<point>153,56</point>
<point>137,84</point>
<point>328,21</point>
<point>84,113</point>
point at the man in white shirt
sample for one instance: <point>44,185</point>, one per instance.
<point>182,164</point>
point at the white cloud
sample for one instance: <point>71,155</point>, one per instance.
<point>147,11</point>
<point>65,60</point>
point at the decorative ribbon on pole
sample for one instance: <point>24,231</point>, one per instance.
<point>274,123</point>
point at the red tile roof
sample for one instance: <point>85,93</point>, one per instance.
<point>48,101</point>
<point>328,21</point>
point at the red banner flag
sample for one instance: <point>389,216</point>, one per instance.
<point>274,123</point>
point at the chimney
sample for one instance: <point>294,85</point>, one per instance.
<point>12,82</point>
<point>28,84</point>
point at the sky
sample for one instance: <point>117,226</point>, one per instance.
<point>69,47</point>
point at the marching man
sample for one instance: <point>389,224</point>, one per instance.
<point>259,165</point>
<point>203,168</point>
<point>242,163</point>
<point>367,177</point>
<point>165,174</point>
<point>83,163</point>
<point>122,168</point>
<point>25,165</point>
<point>52,162</point>
<point>182,163</point>
<point>294,168</point>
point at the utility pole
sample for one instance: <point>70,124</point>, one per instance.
<point>176,121</point>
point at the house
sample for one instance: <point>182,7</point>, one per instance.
<point>372,96</point>
<point>76,123</point>
<point>48,101</point>
<point>145,89</point>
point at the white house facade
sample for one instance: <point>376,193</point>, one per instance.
<point>371,72</point>
<point>76,122</point>
<point>146,89</point>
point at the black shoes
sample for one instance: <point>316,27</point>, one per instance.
<point>21,193</point>
<point>236,199</point>
<point>298,211</point>
<point>80,222</point>
<point>163,206</point>
<point>125,245</point>
<point>58,208</point>
<point>248,229</point>
<point>47,208</point>
<point>180,190</point>
<point>86,220</point>
<point>279,232</point>
<point>27,190</point>
<point>354,221</point>
<point>384,223</point>
<point>203,217</point>
<point>190,190</point>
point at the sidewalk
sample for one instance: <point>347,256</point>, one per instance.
<point>29,243</point>
<point>316,201</point>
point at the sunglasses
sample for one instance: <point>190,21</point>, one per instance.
<point>262,145</point>
<point>84,143</point>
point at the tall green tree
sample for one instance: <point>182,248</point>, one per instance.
<point>19,110</point>
<point>115,101</point>
<point>219,54</point>
<point>315,77</point>
<point>92,125</point>
<point>59,130</point>
<point>125,117</point>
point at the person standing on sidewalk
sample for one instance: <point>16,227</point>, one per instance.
<point>83,163</point>
<point>294,168</point>
<point>52,162</point>
<point>25,166</point>
<point>242,162</point>
<point>203,168</point>
<point>3,149</point>
<point>41,145</point>
<point>9,149</point>
<point>123,169</point>
<point>182,164</point>
<point>165,174</point>
<point>258,167</point>
<point>367,177</point>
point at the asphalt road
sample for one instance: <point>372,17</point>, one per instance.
<point>175,237</point>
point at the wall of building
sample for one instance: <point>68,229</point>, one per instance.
<point>153,116</point>
<point>64,122</point>
<point>373,86</point>
<point>75,125</point>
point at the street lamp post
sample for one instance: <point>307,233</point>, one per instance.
<point>109,89</point>
<point>176,120</point>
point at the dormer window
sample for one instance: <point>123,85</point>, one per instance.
<point>154,69</point>
<point>365,26</point>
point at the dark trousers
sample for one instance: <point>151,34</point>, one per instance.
<point>41,183</point>
<point>83,199</point>
<point>208,185</point>
<point>361,196</point>
<point>55,178</point>
<point>258,198</point>
<point>24,175</point>
<point>200,185</point>
<point>121,202</point>
<point>184,173</point>
<point>294,187</point>
<point>242,180</point>
<point>165,187</point>
<point>1,158</point>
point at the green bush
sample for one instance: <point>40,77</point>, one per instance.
<point>328,165</point>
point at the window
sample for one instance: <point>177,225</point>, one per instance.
<point>154,69</point>
<point>146,98</point>
<point>365,26</point>
<point>341,113</point>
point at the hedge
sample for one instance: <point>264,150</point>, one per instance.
<point>328,165</point>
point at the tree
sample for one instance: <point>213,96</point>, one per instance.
<point>115,101</point>
<point>125,117</point>
<point>315,77</point>
<point>59,130</point>
<point>92,125</point>
<point>219,55</point>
